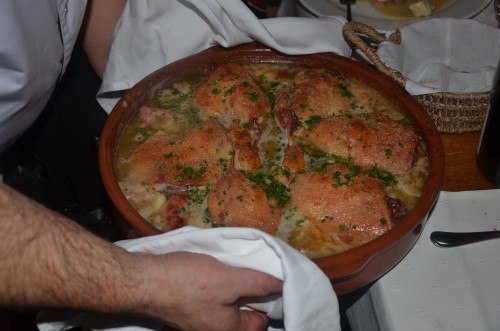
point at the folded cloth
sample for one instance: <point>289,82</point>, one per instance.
<point>435,288</point>
<point>154,33</point>
<point>308,301</point>
<point>445,55</point>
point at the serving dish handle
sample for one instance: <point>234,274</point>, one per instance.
<point>367,45</point>
<point>451,112</point>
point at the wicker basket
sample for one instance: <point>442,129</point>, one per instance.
<point>451,112</point>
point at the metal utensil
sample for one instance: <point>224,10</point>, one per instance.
<point>348,4</point>
<point>452,239</point>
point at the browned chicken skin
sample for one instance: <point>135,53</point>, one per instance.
<point>369,141</point>
<point>229,93</point>
<point>173,219</point>
<point>314,92</point>
<point>353,209</point>
<point>246,153</point>
<point>293,159</point>
<point>196,158</point>
<point>237,201</point>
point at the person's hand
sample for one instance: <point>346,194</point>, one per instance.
<point>197,292</point>
<point>65,266</point>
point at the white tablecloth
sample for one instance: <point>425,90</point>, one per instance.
<point>445,289</point>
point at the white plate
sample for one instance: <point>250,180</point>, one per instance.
<point>363,12</point>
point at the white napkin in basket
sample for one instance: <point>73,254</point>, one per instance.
<point>153,33</point>
<point>445,55</point>
<point>308,301</point>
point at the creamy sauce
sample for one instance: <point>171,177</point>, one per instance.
<point>400,11</point>
<point>152,199</point>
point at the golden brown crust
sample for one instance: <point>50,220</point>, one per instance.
<point>294,159</point>
<point>192,159</point>
<point>314,92</point>
<point>354,210</point>
<point>368,141</point>
<point>230,93</point>
<point>237,201</point>
<point>246,152</point>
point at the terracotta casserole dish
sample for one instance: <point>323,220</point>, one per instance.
<point>348,270</point>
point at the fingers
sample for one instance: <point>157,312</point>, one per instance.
<point>253,320</point>
<point>211,302</point>
<point>253,283</point>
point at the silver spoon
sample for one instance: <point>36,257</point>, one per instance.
<point>452,239</point>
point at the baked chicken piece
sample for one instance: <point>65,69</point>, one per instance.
<point>311,93</point>
<point>349,206</point>
<point>198,157</point>
<point>237,201</point>
<point>229,93</point>
<point>370,141</point>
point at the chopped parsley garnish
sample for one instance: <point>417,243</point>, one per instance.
<point>229,91</point>
<point>172,98</point>
<point>299,223</point>
<point>253,95</point>
<point>347,227</point>
<point>318,160</point>
<point>206,216</point>
<point>190,172</point>
<point>268,88</point>
<point>197,195</point>
<point>142,135</point>
<point>345,179</point>
<point>313,120</point>
<point>343,228</point>
<point>272,100</point>
<point>273,188</point>
<point>345,91</point>
<point>224,163</point>
<point>386,177</point>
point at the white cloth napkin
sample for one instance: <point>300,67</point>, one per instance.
<point>445,55</point>
<point>447,289</point>
<point>153,33</point>
<point>308,301</point>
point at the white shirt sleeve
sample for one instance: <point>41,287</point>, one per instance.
<point>36,41</point>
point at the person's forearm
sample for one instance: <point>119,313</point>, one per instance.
<point>49,261</point>
<point>97,30</point>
